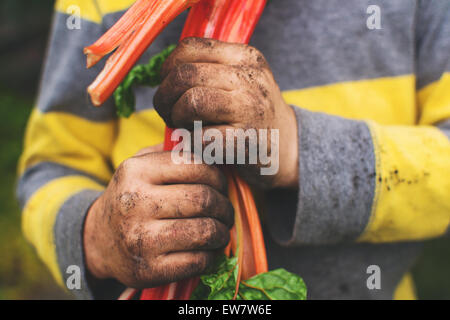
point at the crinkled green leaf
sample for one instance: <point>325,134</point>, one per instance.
<point>142,75</point>
<point>219,285</point>
<point>277,284</point>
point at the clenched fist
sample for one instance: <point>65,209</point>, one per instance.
<point>157,222</point>
<point>230,86</point>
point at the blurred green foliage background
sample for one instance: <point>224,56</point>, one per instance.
<point>24,28</point>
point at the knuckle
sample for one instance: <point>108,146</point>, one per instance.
<point>131,242</point>
<point>188,42</point>
<point>257,56</point>
<point>203,198</point>
<point>200,263</point>
<point>197,42</point>
<point>260,59</point>
<point>194,96</point>
<point>184,74</point>
<point>167,233</point>
<point>127,200</point>
<point>190,103</point>
<point>215,175</point>
<point>135,241</point>
<point>258,73</point>
<point>119,174</point>
<point>252,50</point>
<point>250,74</point>
<point>128,165</point>
<point>207,232</point>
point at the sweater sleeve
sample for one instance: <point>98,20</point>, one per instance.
<point>365,181</point>
<point>66,163</point>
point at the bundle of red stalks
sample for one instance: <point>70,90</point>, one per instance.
<point>225,20</point>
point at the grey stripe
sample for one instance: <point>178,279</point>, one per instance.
<point>321,41</point>
<point>39,175</point>
<point>337,183</point>
<point>68,231</point>
<point>65,77</point>
<point>314,43</point>
<point>69,237</point>
<point>340,271</point>
<point>433,41</point>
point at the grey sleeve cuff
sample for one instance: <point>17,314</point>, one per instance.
<point>336,185</point>
<point>69,248</point>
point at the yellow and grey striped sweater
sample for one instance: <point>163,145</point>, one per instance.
<point>373,108</point>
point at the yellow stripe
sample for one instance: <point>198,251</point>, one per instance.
<point>388,100</point>
<point>385,100</point>
<point>111,6</point>
<point>434,101</point>
<point>93,10</point>
<point>69,140</point>
<point>87,8</point>
<point>412,197</point>
<point>406,289</point>
<point>39,216</point>
<point>141,130</point>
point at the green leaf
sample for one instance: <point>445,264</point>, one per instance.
<point>221,284</point>
<point>278,284</point>
<point>142,75</point>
